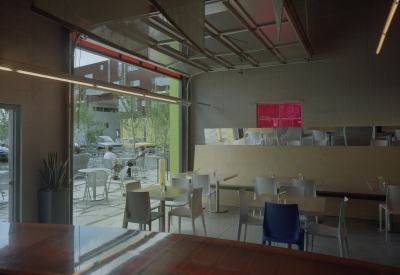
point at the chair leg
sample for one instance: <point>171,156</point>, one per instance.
<point>204,224</point>
<point>386,223</point>
<point>209,206</point>
<point>124,222</point>
<point>169,223</point>
<point>194,229</point>
<point>245,232</point>
<point>311,243</point>
<point>150,226</point>
<point>239,231</point>
<point>179,221</point>
<point>305,241</point>
<point>380,218</point>
<point>340,247</point>
<point>346,248</point>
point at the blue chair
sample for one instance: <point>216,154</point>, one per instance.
<point>282,224</point>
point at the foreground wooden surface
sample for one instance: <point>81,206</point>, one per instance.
<point>63,249</point>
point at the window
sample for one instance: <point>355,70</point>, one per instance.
<point>89,75</point>
<point>135,83</point>
<point>132,68</point>
<point>101,67</point>
<point>279,115</point>
<point>116,82</point>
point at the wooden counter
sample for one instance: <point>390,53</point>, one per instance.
<point>64,249</point>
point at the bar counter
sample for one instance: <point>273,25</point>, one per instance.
<point>65,249</point>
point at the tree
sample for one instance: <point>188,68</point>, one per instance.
<point>4,125</point>
<point>129,115</point>
<point>158,119</point>
<point>85,123</point>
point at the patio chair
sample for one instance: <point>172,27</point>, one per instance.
<point>4,182</point>
<point>95,179</point>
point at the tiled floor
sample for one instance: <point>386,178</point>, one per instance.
<point>366,243</point>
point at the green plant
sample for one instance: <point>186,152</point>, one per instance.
<point>53,177</point>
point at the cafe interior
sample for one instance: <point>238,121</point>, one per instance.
<point>289,125</point>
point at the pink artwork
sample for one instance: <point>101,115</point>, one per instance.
<point>279,115</point>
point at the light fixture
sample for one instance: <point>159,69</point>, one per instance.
<point>5,69</point>
<point>388,21</point>
<point>160,98</point>
<point>54,78</point>
<point>27,69</point>
<point>118,90</point>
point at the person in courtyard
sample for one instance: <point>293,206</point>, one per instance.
<point>111,156</point>
<point>132,162</point>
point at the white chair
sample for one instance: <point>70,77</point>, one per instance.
<point>304,136</point>
<point>299,191</point>
<point>379,143</point>
<point>339,133</point>
<point>183,200</point>
<point>264,186</point>
<point>203,181</point>
<point>319,135</point>
<point>249,141</point>
<point>392,206</point>
<point>382,136</point>
<point>309,186</point>
<point>4,182</point>
<point>244,217</point>
<point>108,164</point>
<point>275,135</point>
<point>139,167</point>
<point>256,137</point>
<point>95,179</point>
<point>196,210</point>
<point>178,175</point>
<point>138,210</point>
<point>320,143</point>
<point>294,143</point>
<point>135,185</point>
<point>397,134</point>
<point>315,229</point>
<point>121,176</point>
<point>231,142</point>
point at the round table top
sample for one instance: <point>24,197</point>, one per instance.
<point>88,170</point>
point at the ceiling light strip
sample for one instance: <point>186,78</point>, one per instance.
<point>387,25</point>
<point>163,99</point>
<point>5,69</point>
<point>117,90</point>
<point>54,78</point>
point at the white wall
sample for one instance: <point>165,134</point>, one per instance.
<point>29,38</point>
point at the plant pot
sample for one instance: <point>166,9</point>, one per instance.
<point>53,206</point>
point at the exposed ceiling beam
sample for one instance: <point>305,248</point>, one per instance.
<point>260,36</point>
<point>162,26</point>
<point>214,33</point>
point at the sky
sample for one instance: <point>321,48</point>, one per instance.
<point>83,58</point>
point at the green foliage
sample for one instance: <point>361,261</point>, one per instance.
<point>158,118</point>
<point>129,114</point>
<point>84,118</point>
<point>53,177</point>
<point>4,125</point>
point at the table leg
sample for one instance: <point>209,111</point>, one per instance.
<point>217,208</point>
<point>162,219</point>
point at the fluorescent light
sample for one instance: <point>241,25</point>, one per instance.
<point>386,28</point>
<point>117,90</point>
<point>5,69</point>
<point>55,78</point>
<point>160,98</point>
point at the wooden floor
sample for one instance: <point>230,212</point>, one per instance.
<point>63,249</point>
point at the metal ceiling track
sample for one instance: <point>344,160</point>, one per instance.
<point>162,26</point>
<point>257,33</point>
<point>214,33</point>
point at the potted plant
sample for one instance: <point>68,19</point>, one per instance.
<point>53,201</point>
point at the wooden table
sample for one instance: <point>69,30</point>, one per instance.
<point>309,206</point>
<point>170,194</point>
<point>374,185</point>
<point>89,170</point>
<point>29,249</point>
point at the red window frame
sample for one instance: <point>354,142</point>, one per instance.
<point>280,115</point>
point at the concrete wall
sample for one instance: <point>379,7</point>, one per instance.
<point>28,38</point>
<point>350,86</point>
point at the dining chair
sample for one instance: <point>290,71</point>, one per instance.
<point>377,142</point>
<point>121,179</point>
<point>304,135</point>
<point>281,224</point>
<point>381,136</point>
<point>139,167</point>
<point>93,180</point>
<point>203,181</point>
<point>396,134</point>
<point>293,143</point>
<point>319,135</point>
<point>340,232</point>
<point>178,175</point>
<point>249,141</point>
<point>310,189</point>
<point>244,217</point>
<point>299,191</point>
<point>264,186</point>
<point>135,185</point>
<point>256,137</point>
<point>183,200</point>
<point>138,210</point>
<point>320,143</point>
<point>274,135</point>
<point>108,164</point>
<point>195,211</point>
<point>340,133</point>
<point>391,207</point>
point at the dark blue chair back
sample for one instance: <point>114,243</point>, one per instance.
<point>282,224</point>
